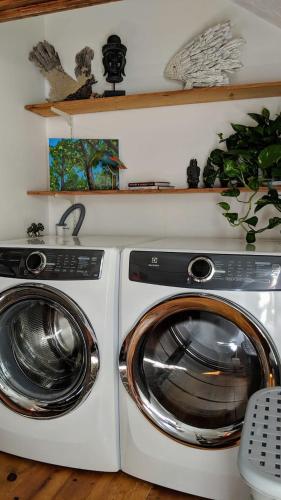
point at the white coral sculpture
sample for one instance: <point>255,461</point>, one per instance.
<point>207,59</point>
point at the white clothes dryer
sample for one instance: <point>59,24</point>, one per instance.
<point>199,333</point>
<point>59,350</point>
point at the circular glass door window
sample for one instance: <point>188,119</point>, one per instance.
<point>48,352</point>
<point>193,371</point>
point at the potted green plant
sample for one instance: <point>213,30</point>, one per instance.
<point>251,159</point>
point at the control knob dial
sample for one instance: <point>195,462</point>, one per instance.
<point>36,262</point>
<point>201,269</point>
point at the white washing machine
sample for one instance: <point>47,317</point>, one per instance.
<point>59,350</point>
<point>200,331</point>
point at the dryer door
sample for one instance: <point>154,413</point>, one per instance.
<point>48,352</point>
<point>191,364</point>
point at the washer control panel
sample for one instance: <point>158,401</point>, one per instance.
<point>206,271</point>
<point>51,264</point>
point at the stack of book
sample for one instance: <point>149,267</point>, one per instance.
<point>150,185</point>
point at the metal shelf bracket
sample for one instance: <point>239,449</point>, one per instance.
<point>68,118</point>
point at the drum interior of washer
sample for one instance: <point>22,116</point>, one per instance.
<point>46,345</point>
<point>200,367</point>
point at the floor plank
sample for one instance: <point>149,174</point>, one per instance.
<point>52,485</point>
<point>22,479</point>
<point>159,493</point>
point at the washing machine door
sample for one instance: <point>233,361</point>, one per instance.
<point>192,362</point>
<point>49,356</point>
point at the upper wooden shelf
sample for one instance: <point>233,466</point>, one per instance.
<point>135,192</point>
<point>157,99</point>
<point>11,10</point>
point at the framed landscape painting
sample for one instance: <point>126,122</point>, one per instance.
<point>83,164</point>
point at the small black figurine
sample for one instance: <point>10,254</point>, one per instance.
<point>33,231</point>
<point>193,173</point>
<point>114,61</point>
<point>209,174</point>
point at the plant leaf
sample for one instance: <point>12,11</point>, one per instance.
<point>232,142</point>
<point>259,118</point>
<point>231,216</point>
<point>224,205</point>
<point>273,222</point>
<point>272,198</point>
<point>276,171</point>
<point>231,169</point>
<point>250,247</point>
<point>269,155</point>
<point>252,221</point>
<point>251,236</point>
<point>233,192</point>
<point>239,128</point>
<point>261,204</point>
<point>265,113</point>
<point>273,194</point>
<point>246,154</point>
<point>216,157</point>
<point>275,125</point>
<point>243,167</point>
<point>254,183</point>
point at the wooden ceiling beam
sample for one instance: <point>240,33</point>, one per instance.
<point>11,10</point>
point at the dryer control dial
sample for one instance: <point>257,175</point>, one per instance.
<point>201,269</point>
<point>36,262</point>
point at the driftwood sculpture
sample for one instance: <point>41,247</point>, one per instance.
<point>207,59</point>
<point>63,86</point>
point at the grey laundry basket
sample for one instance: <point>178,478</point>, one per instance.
<point>259,458</point>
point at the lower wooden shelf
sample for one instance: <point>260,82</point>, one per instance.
<point>134,192</point>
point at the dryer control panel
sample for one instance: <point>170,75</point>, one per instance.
<point>206,271</point>
<point>51,264</point>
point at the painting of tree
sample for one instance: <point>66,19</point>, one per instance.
<point>83,164</point>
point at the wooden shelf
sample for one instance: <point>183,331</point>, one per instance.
<point>19,9</point>
<point>158,99</point>
<point>134,192</point>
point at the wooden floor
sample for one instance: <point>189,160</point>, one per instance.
<point>22,479</point>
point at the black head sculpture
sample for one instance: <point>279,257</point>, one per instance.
<point>114,59</point>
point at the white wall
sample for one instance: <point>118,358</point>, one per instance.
<point>23,161</point>
<point>158,143</point>
<point>266,9</point>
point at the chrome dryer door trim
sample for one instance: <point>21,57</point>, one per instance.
<point>136,385</point>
